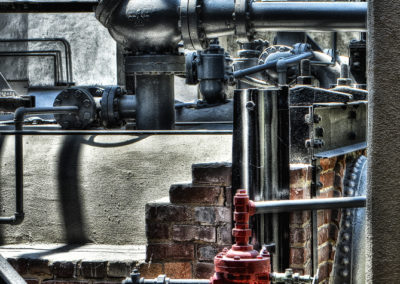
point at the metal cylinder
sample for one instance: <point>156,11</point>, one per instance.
<point>311,16</point>
<point>127,106</point>
<point>155,102</point>
<point>311,204</point>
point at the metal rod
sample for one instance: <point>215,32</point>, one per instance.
<point>263,207</point>
<point>44,6</point>
<point>65,43</point>
<point>269,65</point>
<point>115,132</point>
<point>19,160</point>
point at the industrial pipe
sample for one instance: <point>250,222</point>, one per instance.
<point>263,207</point>
<point>19,171</point>
<point>159,25</point>
<point>44,6</point>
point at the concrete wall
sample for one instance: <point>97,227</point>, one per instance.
<point>95,190</point>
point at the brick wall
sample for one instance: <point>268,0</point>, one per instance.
<point>186,230</point>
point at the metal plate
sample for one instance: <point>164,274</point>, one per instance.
<point>155,64</point>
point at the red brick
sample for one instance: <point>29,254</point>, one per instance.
<point>178,270</point>
<point>300,235</point>
<point>300,174</point>
<point>300,255</point>
<point>157,231</point>
<point>119,269</point>
<point>224,234</point>
<point>327,193</point>
<point>328,164</point>
<point>300,218</point>
<point>93,269</point>
<point>228,197</point>
<point>203,270</point>
<point>175,251</point>
<point>20,265</point>
<point>213,215</point>
<point>325,253</point>
<point>327,179</point>
<point>166,212</point>
<point>32,281</point>
<point>324,271</point>
<point>39,267</point>
<point>151,269</point>
<point>187,233</point>
<point>64,282</point>
<point>208,252</point>
<point>189,194</point>
<point>64,269</point>
<point>212,174</point>
<point>323,234</point>
<point>300,193</point>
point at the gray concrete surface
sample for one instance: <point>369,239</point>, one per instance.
<point>104,203</point>
<point>383,210</point>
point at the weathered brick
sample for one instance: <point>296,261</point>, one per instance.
<point>186,233</point>
<point>157,231</point>
<point>323,234</point>
<point>300,174</point>
<point>40,267</point>
<point>300,235</point>
<point>32,281</point>
<point>324,217</point>
<point>300,255</point>
<point>212,174</point>
<point>324,271</point>
<point>64,269</point>
<point>300,193</point>
<point>119,269</point>
<point>328,164</point>
<point>167,212</point>
<point>208,252</point>
<point>203,270</point>
<point>175,251</point>
<point>300,218</point>
<point>151,269</point>
<point>333,232</point>
<point>327,179</point>
<point>20,265</point>
<point>178,270</point>
<point>189,194</point>
<point>327,193</point>
<point>224,234</point>
<point>228,196</point>
<point>325,252</point>
<point>93,269</point>
<point>64,282</point>
<point>213,215</point>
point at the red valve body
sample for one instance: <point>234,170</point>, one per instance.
<point>242,264</point>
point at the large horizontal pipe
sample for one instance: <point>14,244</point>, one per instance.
<point>264,207</point>
<point>159,25</point>
<point>311,16</point>
<point>44,6</point>
<point>114,132</point>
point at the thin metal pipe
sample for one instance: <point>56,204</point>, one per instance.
<point>44,6</point>
<point>36,55</point>
<point>272,64</point>
<point>264,207</point>
<point>63,41</point>
<point>19,160</point>
<point>115,132</point>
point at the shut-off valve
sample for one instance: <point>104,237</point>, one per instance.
<point>241,263</point>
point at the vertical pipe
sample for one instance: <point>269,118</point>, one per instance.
<point>155,102</point>
<point>255,151</point>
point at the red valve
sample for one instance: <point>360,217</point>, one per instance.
<point>242,264</point>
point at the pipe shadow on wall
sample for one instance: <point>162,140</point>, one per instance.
<point>71,201</point>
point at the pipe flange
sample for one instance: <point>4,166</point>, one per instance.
<point>241,20</point>
<point>193,37</point>
<point>109,107</point>
<point>87,108</point>
<point>155,64</point>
